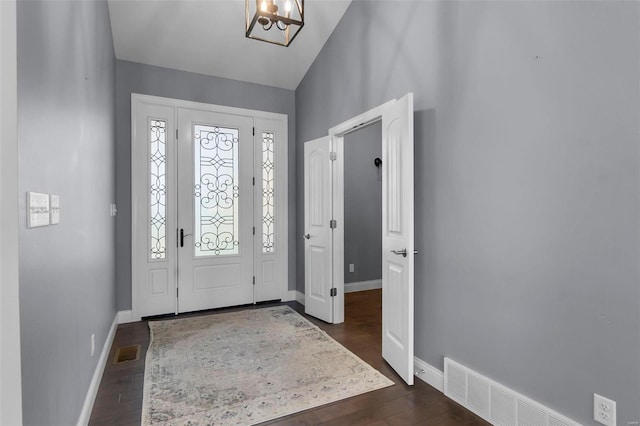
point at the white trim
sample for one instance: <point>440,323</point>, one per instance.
<point>290,297</point>
<point>337,146</point>
<point>361,120</point>
<point>428,374</point>
<point>300,297</point>
<point>336,134</point>
<point>179,103</point>
<point>125,317</point>
<point>90,399</point>
<point>281,156</point>
<point>362,286</point>
<point>10,363</point>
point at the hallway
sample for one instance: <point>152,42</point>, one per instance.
<point>119,400</point>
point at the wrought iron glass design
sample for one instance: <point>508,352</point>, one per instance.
<point>216,190</point>
<point>268,200</point>
<point>158,188</point>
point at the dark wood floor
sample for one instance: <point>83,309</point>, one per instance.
<point>119,399</point>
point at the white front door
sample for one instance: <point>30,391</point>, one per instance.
<point>215,210</point>
<point>317,237</point>
<point>397,237</point>
<point>209,204</point>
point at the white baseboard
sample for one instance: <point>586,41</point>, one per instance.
<point>291,296</point>
<point>125,317</point>
<point>362,286</point>
<point>428,374</point>
<point>89,400</point>
<point>299,297</point>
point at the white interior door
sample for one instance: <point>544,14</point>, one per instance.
<point>397,237</point>
<point>215,210</point>
<point>317,238</point>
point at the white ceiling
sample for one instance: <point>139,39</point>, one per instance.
<point>207,37</point>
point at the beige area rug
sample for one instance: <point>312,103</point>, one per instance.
<point>246,367</point>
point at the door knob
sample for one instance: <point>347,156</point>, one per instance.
<point>306,236</point>
<point>182,235</point>
<point>402,252</point>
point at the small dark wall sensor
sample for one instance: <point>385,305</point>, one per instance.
<point>377,162</point>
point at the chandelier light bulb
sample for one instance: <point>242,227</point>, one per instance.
<point>285,17</point>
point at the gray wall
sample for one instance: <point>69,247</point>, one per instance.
<point>527,173</point>
<point>131,78</point>
<point>66,83</point>
<point>363,204</point>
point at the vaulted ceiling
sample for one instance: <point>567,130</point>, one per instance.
<point>207,37</point>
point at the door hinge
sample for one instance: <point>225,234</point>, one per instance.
<point>254,230</point>
<point>254,280</point>
<point>333,156</point>
<point>254,131</point>
<point>334,292</point>
<point>254,181</point>
<point>176,134</point>
<point>177,291</point>
<point>333,224</point>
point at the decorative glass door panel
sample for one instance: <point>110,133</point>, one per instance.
<point>216,190</point>
<point>268,196</point>
<point>209,206</point>
<point>158,188</point>
<point>215,210</point>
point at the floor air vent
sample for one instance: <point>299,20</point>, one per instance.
<point>127,353</point>
<point>495,403</point>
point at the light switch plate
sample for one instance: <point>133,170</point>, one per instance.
<point>37,209</point>
<point>54,208</point>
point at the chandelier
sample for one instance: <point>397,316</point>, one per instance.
<point>274,21</point>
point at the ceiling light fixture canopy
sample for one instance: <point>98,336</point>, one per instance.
<point>279,21</point>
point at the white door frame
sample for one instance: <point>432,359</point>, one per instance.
<point>262,119</point>
<point>337,134</point>
<point>10,370</point>
<point>397,230</point>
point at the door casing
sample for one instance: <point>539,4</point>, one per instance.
<point>261,119</point>
<point>384,113</point>
<point>10,362</point>
<point>336,135</point>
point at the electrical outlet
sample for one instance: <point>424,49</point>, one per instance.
<point>93,344</point>
<point>604,410</point>
<point>352,267</point>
